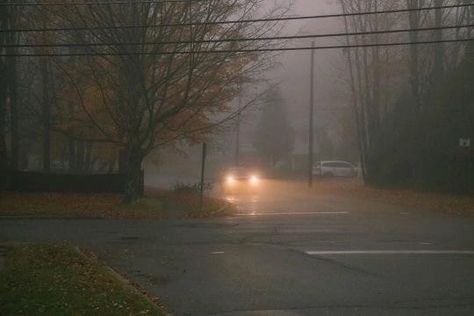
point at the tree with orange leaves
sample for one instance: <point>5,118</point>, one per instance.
<point>148,74</point>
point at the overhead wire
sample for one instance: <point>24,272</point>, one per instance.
<point>220,51</point>
<point>259,20</point>
<point>262,49</point>
<point>94,3</point>
<point>224,40</point>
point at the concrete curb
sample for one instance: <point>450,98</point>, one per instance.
<point>135,287</point>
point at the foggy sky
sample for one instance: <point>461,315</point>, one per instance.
<point>293,70</point>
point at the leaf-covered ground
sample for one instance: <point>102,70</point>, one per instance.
<point>57,279</point>
<point>188,204</point>
<point>444,202</point>
<point>157,204</point>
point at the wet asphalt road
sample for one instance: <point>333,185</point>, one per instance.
<point>287,252</point>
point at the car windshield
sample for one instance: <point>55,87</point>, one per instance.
<point>239,171</point>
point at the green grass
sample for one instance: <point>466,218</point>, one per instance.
<point>56,279</point>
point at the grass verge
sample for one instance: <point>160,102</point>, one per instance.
<point>57,279</point>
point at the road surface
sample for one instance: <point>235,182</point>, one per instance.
<point>290,252</point>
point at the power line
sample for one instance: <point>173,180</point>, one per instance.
<point>276,19</point>
<point>94,3</point>
<point>272,38</point>
<point>221,51</point>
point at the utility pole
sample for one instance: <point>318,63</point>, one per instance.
<point>203,170</point>
<point>311,122</point>
<point>237,132</point>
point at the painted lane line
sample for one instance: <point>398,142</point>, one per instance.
<point>291,213</point>
<point>217,253</point>
<point>390,252</point>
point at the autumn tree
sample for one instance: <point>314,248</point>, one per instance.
<point>142,75</point>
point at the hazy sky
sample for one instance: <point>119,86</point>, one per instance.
<point>294,67</point>
<point>295,70</point>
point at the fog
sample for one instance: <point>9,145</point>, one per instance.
<point>290,73</point>
<point>356,119</point>
<point>199,157</point>
<point>247,97</point>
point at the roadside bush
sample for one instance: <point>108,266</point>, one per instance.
<point>181,187</point>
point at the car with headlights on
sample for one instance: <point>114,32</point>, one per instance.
<point>240,178</point>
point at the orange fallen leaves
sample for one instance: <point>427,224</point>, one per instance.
<point>157,204</point>
<point>103,205</point>
<point>422,201</point>
<point>188,204</point>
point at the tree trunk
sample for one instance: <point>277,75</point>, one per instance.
<point>88,162</point>
<point>376,78</point>
<point>11,67</point>
<point>46,116</point>
<point>414,22</point>
<point>132,170</point>
<point>13,93</point>
<point>3,145</point>
<point>71,154</point>
<point>438,66</point>
<point>355,94</point>
<point>5,20</point>
<point>80,152</point>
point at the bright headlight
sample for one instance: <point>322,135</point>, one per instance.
<point>230,178</point>
<point>253,179</point>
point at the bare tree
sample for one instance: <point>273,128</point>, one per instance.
<point>394,89</point>
<point>371,79</point>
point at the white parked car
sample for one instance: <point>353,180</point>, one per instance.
<point>334,168</point>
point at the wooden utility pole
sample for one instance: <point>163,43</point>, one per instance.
<point>311,122</point>
<point>237,132</point>
<point>203,170</point>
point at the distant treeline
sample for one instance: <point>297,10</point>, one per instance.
<point>413,103</point>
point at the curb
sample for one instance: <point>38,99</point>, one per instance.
<point>137,288</point>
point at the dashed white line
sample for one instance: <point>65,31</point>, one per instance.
<point>389,252</point>
<point>290,213</point>
<point>217,253</point>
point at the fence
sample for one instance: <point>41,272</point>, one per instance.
<point>26,181</point>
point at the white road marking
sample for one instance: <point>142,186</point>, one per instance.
<point>290,213</point>
<point>217,253</point>
<point>390,252</point>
